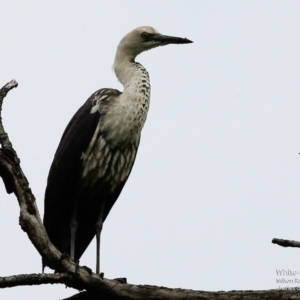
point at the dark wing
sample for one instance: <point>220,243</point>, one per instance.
<point>65,171</point>
<point>105,191</point>
<point>65,185</point>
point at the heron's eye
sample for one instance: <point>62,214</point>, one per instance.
<point>146,36</point>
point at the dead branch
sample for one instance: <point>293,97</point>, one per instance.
<point>81,278</point>
<point>33,279</point>
<point>15,181</point>
<point>286,243</point>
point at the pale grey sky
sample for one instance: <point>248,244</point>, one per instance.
<point>217,173</point>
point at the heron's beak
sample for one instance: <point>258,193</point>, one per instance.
<point>165,39</point>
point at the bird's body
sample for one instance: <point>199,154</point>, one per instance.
<point>97,151</point>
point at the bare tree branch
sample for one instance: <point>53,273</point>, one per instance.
<point>4,140</point>
<point>81,278</point>
<point>286,243</point>
<point>33,279</point>
<point>128,291</point>
<point>6,144</point>
<point>30,221</point>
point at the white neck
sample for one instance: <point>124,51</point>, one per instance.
<point>124,120</point>
<point>126,69</point>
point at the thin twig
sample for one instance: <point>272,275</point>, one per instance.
<point>286,243</point>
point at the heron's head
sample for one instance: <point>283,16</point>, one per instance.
<point>144,38</point>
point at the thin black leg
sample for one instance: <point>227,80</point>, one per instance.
<point>99,226</point>
<point>73,229</point>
